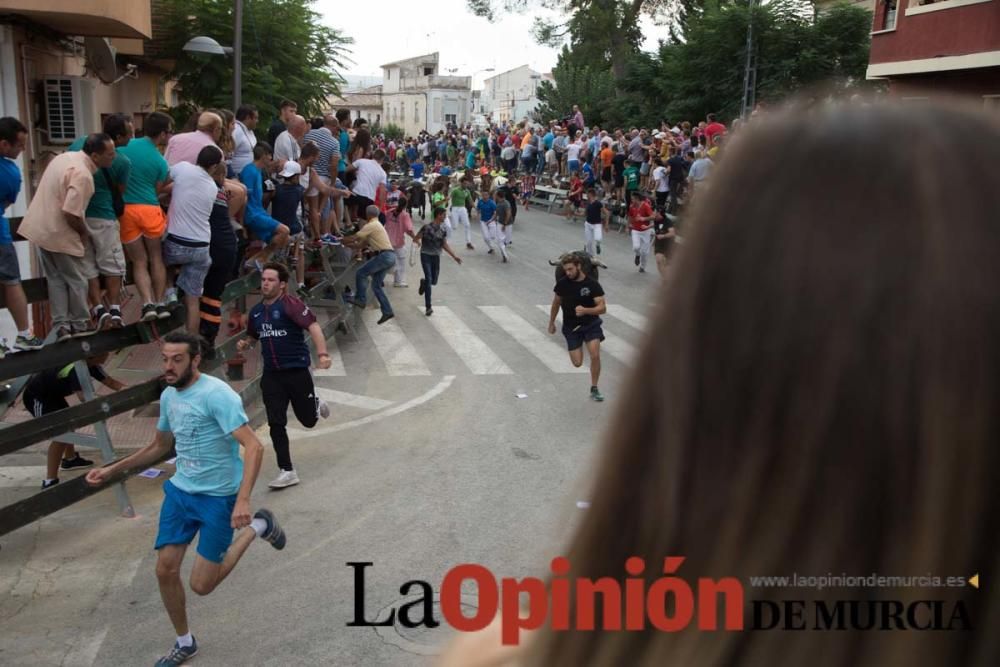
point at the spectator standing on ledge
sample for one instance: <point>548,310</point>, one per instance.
<point>104,232</point>
<point>143,222</point>
<point>244,138</point>
<point>286,110</point>
<point>13,135</point>
<point>55,223</point>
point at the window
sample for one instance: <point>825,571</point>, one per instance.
<point>889,15</point>
<point>451,118</point>
<point>925,6</point>
<point>428,71</point>
<point>416,112</point>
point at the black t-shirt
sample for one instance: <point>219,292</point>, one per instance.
<point>285,206</point>
<point>575,293</point>
<point>594,209</point>
<point>618,162</point>
<point>678,168</point>
<point>60,382</point>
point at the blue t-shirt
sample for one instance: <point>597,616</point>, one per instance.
<point>202,419</point>
<point>487,209</point>
<point>418,169</point>
<point>280,327</point>
<point>10,185</point>
<point>345,143</point>
<point>548,139</point>
<point>588,174</point>
<point>254,180</point>
<point>470,159</point>
<point>411,153</point>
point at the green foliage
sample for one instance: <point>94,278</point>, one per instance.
<point>704,72</point>
<point>391,131</point>
<point>287,53</point>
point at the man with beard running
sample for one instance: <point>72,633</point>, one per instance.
<point>280,321</point>
<point>204,421</point>
<point>582,301</point>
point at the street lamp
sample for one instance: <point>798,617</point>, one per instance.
<point>207,45</point>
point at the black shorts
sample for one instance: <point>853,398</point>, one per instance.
<point>619,181</point>
<point>43,405</point>
<point>663,247</point>
<point>575,338</point>
<point>606,174</point>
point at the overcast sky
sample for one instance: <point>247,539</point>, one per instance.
<point>389,30</point>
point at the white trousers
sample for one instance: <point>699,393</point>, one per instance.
<point>508,234</point>
<point>642,243</point>
<point>592,235</point>
<point>460,217</point>
<point>402,254</point>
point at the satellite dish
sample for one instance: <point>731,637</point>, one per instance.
<point>101,58</point>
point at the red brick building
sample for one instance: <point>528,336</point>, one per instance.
<point>929,48</point>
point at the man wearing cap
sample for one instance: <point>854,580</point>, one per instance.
<point>285,207</point>
<point>373,236</point>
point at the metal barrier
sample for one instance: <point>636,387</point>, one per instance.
<point>336,273</point>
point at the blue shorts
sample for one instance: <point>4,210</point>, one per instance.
<point>184,514</point>
<point>573,165</point>
<point>576,338</point>
<point>261,224</point>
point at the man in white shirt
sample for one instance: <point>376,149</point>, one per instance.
<point>189,231</point>
<point>288,145</point>
<point>369,175</point>
<point>244,138</point>
<point>661,178</point>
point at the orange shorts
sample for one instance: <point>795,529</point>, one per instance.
<point>142,220</point>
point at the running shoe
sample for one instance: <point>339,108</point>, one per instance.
<point>117,321</point>
<point>637,259</point>
<point>598,247</point>
<point>329,239</point>
<point>274,534</point>
<point>285,478</point>
<point>148,313</point>
<point>400,285</point>
<point>28,342</point>
<point>4,348</point>
<point>102,316</point>
<point>162,311</point>
<point>642,270</point>
<point>596,395</point>
<point>429,312</point>
<point>385,318</point>
<point>322,408</point>
<point>179,654</point>
<point>49,483</point>
<point>470,246</point>
<point>170,296</point>
<point>423,287</point>
<point>75,462</point>
<point>65,332</point>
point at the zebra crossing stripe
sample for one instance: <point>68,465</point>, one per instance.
<point>616,347</point>
<point>629,317</point>
<point>336,368</point>
<point>399,355</point>
<point>474,353</point>
<point>543,347</point>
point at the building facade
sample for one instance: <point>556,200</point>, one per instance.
<point>511,95</point>
<point>365,103</point>
<point>415,97</point>
<point>928,48</point>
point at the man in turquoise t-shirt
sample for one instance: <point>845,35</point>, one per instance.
<point>102,222</point>
<point>203,420</point>
<point>144,222</point>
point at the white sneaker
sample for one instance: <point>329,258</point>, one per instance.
<point>322,408</point>
<point>285,478</point>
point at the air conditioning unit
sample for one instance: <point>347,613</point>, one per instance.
<point>69,108</point>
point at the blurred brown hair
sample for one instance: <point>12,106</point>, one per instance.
<point>819,392</point>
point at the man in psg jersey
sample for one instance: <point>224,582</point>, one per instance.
<point>280,322</point>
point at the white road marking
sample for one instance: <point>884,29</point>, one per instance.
<point>336,368</point>
<point>473,352</point>
<point>548,352</point>
<point>399,355</point>
<point>14,477</point>
<point>352,400</point>
<point>434,391</point>
<point>84,653</point>
<point>617,347</point>
<point>629,317</point>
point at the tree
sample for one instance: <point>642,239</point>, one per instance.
<point>287,53</point>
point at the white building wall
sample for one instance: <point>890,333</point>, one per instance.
<point>511,95</point>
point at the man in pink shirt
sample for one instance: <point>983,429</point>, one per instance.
<point>185,147</point>
<point>55,223</point>
<point>398,226</point>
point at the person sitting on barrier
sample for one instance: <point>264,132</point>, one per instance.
<point>203,420</point>
<point>256,218</point>
<point>189,232</point>
<point>46,393</point>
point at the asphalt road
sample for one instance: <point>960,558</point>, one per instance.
<point>430,459</point>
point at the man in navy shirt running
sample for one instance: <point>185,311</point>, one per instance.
<point>279,322</point>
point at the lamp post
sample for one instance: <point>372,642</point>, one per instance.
<point>207,45</point>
